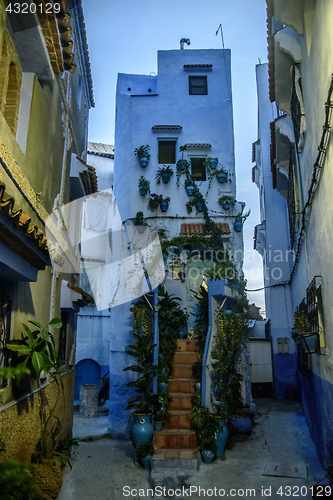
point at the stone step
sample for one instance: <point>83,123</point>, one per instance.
<point>184,357</point>
<point>187,345</point>
<point>167,458</point>
<point>175,438</point>
<point>180,401</point>
<point>181,385</point>
<point>178,420</point>
<point>182,370</point>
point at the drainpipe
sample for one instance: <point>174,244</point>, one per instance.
<point>184,40</point>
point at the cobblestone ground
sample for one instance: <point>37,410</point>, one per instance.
<point>280,443</point>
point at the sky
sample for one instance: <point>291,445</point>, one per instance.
<point>124,37</point>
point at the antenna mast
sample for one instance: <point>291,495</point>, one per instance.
<point>218,29</point>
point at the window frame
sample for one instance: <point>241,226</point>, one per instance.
<point>166,139</point>
<point>193,78</point>
<point>197,157</point>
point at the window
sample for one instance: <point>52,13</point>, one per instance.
<point>167,151</point>
<point>198,169</point>
<point>198,85</point>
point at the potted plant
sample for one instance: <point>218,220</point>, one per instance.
<point>144,185</point>
<point>205,426</point>
<point>154,201</point>
<point>163,383</point>
<point>145,452</point>
<point>221,435</point>
<point>211,162</point>
<point>303,334</point>
<point>198,201</point>
<point>222,175</point>
<point>165,173</point>
<point>143,155</point>
<point>189,187</point>
<point>164,204</point>
<point>227,202</point>
<point>159,418</point>
<point>240,219</point>
<point>140,222</point>
<point>182,165</point>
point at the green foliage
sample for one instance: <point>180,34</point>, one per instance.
<point>161,415</point>
<point>37,350</point>
<point>202,319</point>
<point>165,170</point>
<point>14,372</point>
<point>142,152</point>
<point>145,449</point>
<point>205,425</point>
<point>197,371</point>
<point>16,481</point>
<point>144,183</point>
<point>225,269</point>
<point>300,321</point>
<point>227,199</point>
<point>242,217</point>
<point>142,351</point>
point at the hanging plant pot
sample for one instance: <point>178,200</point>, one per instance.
<point>222,178</point>
<point>164,205</point>
<point>238,226</point>
<point>142,430</point>
<point>213,361</point>
<point>190,190</point>
<point>228,312</point>
<point>144,161</point>
<point>166,178</point>
<point>208,456</point>
<point>198,386</point>
<point>141,228</point>
<point>143,191</point>
<point>182,166</point>
<point>163,386</point>
<point>226,205</point>
<point>165,371</point>
<point>213,163</point>
<point>309,342</point>
<point>161,356</point>
<point>199,207</point>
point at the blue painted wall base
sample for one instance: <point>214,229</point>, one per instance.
<point>285,366</point>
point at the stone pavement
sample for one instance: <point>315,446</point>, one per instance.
<point>278,460</point>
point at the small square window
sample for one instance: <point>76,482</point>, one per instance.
<point>198,169</point>
<point>167,151</point>
<point>198,85</point>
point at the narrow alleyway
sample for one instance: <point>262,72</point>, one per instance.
<point>278,460</point>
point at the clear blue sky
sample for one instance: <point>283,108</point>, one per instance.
<point>124,37</point>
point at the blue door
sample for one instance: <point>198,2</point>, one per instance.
<point>87,371</point>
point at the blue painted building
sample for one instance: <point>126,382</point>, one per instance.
<point>299,200</point>
<point>188,103</point>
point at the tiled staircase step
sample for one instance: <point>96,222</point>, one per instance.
<point>178,420</point>
<point>188,345</point>
<point>182,370</point>
<point>184,357</point>
<point>175,438</point>
<point>175,459</point>
<point>181,385</point>
<point>180,401</point>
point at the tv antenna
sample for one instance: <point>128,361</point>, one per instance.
<point>218,29</point>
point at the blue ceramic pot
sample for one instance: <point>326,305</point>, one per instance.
<point>221,438</point>
<point>142,429</point>
<point>242,425</point>
<point>226,205</point>
<point>146,461</point>
<point>199,207</point>
<point>143,191</point>
<point>166,178</point>
<point>182,165</point>
<point>213,361</point>
<point>213,163</point>
<point>144,162</point>
<point>163,386</point>
<point>198,386</point>
<point>190,190</point>
<point>238,226</point>
<point>228,312</point>
<point>158,426</point>
<point>165,372</point>
<point>208,456</point>
<point>164,205</point>
<point>222,178</point>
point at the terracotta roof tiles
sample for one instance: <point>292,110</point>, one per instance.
<point>198,228</point>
